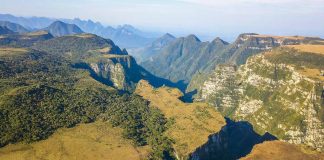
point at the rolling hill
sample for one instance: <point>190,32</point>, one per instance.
<point>59,28</point>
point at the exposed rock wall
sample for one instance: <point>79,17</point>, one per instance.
<point>274,97</point>
<point>121,71</point>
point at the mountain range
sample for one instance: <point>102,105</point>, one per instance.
<point>76,95</point>
<point>126,35</point>
<point>13,26</point>
<point>182,58</point>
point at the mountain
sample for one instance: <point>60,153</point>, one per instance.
<point>59,28</point>
<point>5,30</point>
<point>145,53</point>
<point>180,60</point>
<point>279,91</point>
<point>106,61</point>
<point>125,36</point>
<point>183,57</point>
<point>30,23</point>
<point>13,26</point>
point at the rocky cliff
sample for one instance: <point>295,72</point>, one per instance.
<point>120,71</point>
<point>280,92</point>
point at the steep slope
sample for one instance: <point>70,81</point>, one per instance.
<point>13,26</point>
<point>183,57</point>
<point>282,150</point>
<point>280,92</point>
<point>59,28</point>
<point>191,124</point>
<point>145,53</point>
<point>247,45</point>
<point>5,30</point>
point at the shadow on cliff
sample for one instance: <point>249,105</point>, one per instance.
<point>189,96</point>
<point>235,140</point>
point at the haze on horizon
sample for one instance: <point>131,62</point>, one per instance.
<point>209,18</point>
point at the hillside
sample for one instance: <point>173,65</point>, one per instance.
<point>279,91</point>
<point>5,30</point>
<point>25,39</point>
<point>13,26</point>
<point>59,28</point>
<point>185,118</point>
<point>97,140</point>
<point>42,92</point>
<point>183,57</point>
<point>106,61</point>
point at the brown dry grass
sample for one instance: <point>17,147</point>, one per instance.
<point>277,150</point>
<point>37,33</point>
<point>194,122</point>
<point>12,51</point>
<point>309,48</point>
<point>281,37</point>
<point>85,35</point>
<point>312,73</point>
<point>99,141</point>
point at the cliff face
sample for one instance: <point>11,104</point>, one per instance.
<point>121,71</point>
<point>249,44</point>
<point>280,92</point>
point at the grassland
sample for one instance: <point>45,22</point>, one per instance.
<point>278,150</point>
<point>37,33</point>
<point>309,48</point>
<point>191,123</point>
<point>12,51</point>
<point>281,37</point>
<point>307,59</point>
<point>97,140</point>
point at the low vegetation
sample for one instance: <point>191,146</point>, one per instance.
<point>190,124</point>
<point>282,150</point>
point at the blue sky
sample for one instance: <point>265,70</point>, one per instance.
<point>208,18</point>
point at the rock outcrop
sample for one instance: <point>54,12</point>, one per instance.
<point>280,92</point>
<point>120,71</point>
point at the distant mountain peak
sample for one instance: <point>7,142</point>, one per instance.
<point>58,23</point>
<point>127,27</point>
<point>218,40</point>
<point>59,28</point>
<point>168,35</point>
<point>193,37</point>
